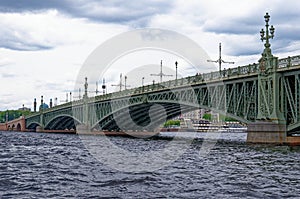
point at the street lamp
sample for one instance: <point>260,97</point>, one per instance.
<point>220,60</point>
<point>125,84</point>
<point>143,81</point>
<point>120,84</point>
<point>264,34</point>
<point>161,74</point>
<point>42,102</point>
<point>176,63</point>
<point>103,86</point>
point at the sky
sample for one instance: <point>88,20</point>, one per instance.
<point>43,44</point>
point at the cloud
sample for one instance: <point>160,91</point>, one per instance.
<point>30,5</point>
<point>29,31</point>
<point>40,40</point>
<point>5,62</point>
<point>113,11</point>
<point>8,75</point>
<point>232,26</point>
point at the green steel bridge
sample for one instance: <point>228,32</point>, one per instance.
<point>246,93</point>
<point>264,94</point>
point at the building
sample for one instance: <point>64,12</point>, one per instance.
<point>43,106</point>
<point>24,108</point>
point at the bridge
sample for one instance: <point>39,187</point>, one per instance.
<point>264,95</point>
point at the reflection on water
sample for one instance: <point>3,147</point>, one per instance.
<point>34,165</point>
<point>236,137</point>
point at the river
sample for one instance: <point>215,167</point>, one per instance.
<point>40,165</point>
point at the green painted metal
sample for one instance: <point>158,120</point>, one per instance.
<point>268,90</point>
<point>245,93</point>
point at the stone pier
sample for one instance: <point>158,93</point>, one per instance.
<point>270,133</point>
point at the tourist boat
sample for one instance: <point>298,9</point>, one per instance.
<point>207,126</point>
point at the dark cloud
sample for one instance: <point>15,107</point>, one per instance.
<point>30,5</point>
<point>252,24</point>
<point>286,31</point>
<point>243,48</point>
<point>19,40</point>
<point>113,11</point>
<point>134,13</point>
<point>232,26</point>
<point>22,46</point>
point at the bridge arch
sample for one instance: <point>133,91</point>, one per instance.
<point>32,126</point>
<point>139,113</point>
<point>62,122</point>
<point>139,116</point>
<point>18,128</point>
<point>294,128</point>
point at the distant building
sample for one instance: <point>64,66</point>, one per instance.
<point>43,106</point>
<point>196,114</point>
<point>24,108</point>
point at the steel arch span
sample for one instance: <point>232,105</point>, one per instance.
<point>243,93</point>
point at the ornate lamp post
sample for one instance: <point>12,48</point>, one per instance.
<point>267,62</point>
<point>267,35</point>
<point>269,89</point>
<point>143,81</point>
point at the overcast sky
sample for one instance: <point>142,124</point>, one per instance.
<point>43,44</point>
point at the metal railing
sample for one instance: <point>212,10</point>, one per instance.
<point>289,62</point>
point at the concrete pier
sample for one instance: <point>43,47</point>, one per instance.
<point>270,133</point>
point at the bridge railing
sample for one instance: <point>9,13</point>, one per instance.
<point>289,62</point>
<point>205,77</point>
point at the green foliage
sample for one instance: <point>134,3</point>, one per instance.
<point>207,116</point>
<point>12,114</point>
<point>172,123</point>
<point>227,119</point>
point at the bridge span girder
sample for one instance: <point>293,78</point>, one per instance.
<point>233,93</point>
<point>234,98</point>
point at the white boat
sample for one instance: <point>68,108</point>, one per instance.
<point>207,126</point>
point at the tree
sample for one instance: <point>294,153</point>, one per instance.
<point>207,116</point>
<point>12,114</point>
<point>172,123</point>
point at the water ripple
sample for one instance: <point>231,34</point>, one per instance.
<point>34,165</point>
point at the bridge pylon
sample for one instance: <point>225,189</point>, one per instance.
<point>84,127</point>
<point>270,125</point>
<point>41,127</point>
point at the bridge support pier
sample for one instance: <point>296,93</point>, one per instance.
<point>270,133</point>
<point>83,129</point>
<point>39,129</point>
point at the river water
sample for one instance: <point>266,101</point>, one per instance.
<point>36,165</point>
